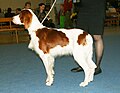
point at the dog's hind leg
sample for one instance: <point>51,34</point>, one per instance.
<point>92,67</point>
<point>91,64</point>
<point>82,61</point>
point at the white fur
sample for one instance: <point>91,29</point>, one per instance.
<point>82,54</point>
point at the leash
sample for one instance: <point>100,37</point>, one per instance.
<point>49,11</point>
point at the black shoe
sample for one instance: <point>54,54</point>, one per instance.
<point>97,71</point>
<point>77,69</point>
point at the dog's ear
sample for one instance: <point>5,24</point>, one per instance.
<point>26,18</point>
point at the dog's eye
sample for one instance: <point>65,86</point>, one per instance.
<point>21,19</point>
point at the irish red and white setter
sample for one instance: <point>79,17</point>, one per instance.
<point>49,43</point>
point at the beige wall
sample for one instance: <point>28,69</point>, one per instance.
<point>4,4</point>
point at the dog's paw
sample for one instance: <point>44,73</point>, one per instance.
<point>49,83</point>
<point>83,84</point>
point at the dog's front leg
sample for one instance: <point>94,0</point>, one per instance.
<point>49,64</point>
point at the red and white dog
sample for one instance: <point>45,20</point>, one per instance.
<point>49,43</point>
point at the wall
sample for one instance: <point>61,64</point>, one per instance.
<point>4,4</point>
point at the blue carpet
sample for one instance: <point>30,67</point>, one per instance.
<point>21,71</point>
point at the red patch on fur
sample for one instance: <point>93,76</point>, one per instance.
<point>50,38</point>
<point>82,39</point>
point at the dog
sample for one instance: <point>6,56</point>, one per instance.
<point>49,43</point>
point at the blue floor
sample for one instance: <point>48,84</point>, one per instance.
<point>21,71</point>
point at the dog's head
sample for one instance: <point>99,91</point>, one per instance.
<point>24,18</point>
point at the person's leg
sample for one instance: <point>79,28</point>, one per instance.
<point>99,48</point>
